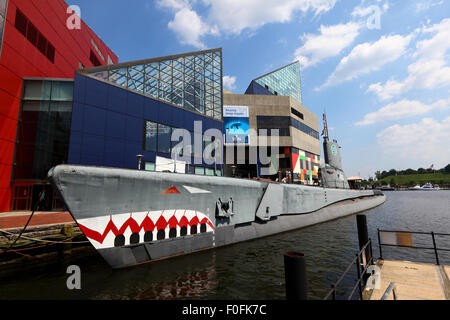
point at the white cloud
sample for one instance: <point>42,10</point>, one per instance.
<point>424,142</point>
<point>234,16</point>
<point>330,41</point>
<point>187,24</point>
<point>229,82</point>
<point>369,57</point>
<point>402,109</point>
<point>429,71</point>
<point>360,11</point>
<point>174,4</point>
<point>425,5</point>
<point>189,27</point>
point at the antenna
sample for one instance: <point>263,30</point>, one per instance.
<point>325,127</point>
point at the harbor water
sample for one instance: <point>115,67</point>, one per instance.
<point>251,270</point>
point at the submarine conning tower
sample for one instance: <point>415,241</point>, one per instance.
<point>332,175</point>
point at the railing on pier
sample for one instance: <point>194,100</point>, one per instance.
<point>363,260</point>
<point>391,288</point>
<point>404,239</point>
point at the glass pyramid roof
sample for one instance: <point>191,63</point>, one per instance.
<point>192,80</point>
<point>284,81</point>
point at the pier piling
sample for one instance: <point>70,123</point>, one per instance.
<point>295,276</point>
<point>363,235</point>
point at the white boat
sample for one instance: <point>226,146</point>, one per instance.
<point>426,187</point>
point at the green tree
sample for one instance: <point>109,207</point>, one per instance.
<point>378,175</point>
<point>392,172</point>
<point>392,182</point>
<point>447,169</point>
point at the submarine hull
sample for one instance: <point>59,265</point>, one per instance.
<point>133,216</point>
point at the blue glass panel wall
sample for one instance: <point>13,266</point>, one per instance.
<point>108,124</point>
<point>256,88</point>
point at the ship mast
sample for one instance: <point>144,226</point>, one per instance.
<point>325,128</point>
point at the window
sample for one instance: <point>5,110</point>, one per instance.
<point>151,136</point>
<point>21,23</point>
<point>36,38</point>
<point>44,128</point>
<point>158,137</point>
<point>272,122</point>
<point>282,132</point>
<point>3,6</point>
<point>42,44</point>
<point>200,170</point>
<point>51,52</point>
<point>32,34</point>
<point>164,137</point>
<point>193,82</point>
<point>297,113</point>
<point>94,59</point>
<point>283,124</point>
<point>277,122</point>
<point>304,128</point>
<point>149,166</point>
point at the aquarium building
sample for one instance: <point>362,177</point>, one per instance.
<point>274,101</point>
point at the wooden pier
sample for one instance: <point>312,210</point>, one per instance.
<point>392,279</point>
<point>405,280</point>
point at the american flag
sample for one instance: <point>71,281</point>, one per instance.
<point>432,166</point>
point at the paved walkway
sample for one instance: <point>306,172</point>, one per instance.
<point>13,220</point>
<point>413,281</point>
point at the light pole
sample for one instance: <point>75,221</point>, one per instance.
<point>139,157</point>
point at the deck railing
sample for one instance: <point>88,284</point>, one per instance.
<point>404,239</point>
<point>391,288</point>
<point>363,260</point>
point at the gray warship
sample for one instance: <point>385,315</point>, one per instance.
<point>133,216</point>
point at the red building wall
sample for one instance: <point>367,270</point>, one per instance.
<point>19,58</point>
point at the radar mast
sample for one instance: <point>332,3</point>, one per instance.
<point>325,128</point>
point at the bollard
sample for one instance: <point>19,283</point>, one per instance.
<point>295,276</point>
<point>363,235</point>
<point>363,238</point>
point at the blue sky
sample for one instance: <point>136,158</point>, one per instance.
<point>380,69</point>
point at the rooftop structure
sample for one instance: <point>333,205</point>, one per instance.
<point>284,81</point>
<point>192,81</point>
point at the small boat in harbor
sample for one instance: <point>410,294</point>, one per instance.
<point>426,187</point>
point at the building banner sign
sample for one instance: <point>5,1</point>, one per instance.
<point>236,124</point>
